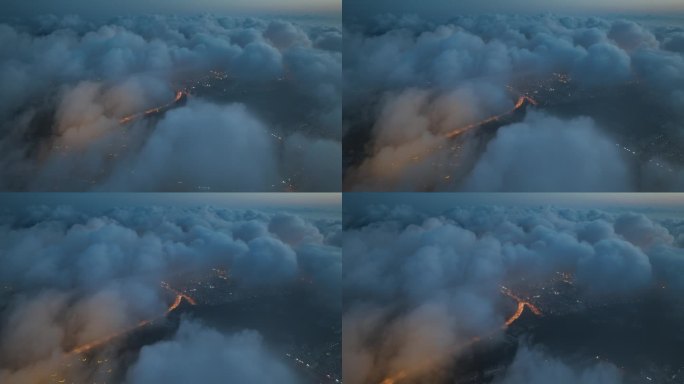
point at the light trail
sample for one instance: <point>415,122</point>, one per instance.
<point>175,304</point>
<point>520,103</point>
<point>166,286</point>
<point>516,315</point>
<point>521,306</point>
<point>104,340</point>
<point>136,116</point>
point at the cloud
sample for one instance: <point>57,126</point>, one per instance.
<point>293,230</point>
<point>268,261</point>
<point>409,135</point>
<point>641,231</point>
<point>284,35</point>
<point>629,35</point>
<point>33,322</point>
<point>322,265</point>
<point>197,353</point>
<point>544,153</point>
<point>674,42</point>
<point>613,263</point>
<point>603,64</point>
<point>196,144</point>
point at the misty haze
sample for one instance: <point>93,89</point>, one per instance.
<point>499,101</point>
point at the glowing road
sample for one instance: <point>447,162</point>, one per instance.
<point>104,340</point>
<point>180,95</point>
<point>521,306</point>
<point>520,103</point>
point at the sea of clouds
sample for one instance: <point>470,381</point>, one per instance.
<point>418,287</point>
<point>409,81</point>
<point>68,81</point>
<point>75,277</point>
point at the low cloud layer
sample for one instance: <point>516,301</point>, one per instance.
<point>71,277</point>
<point>548,154</point>
<point>199,354</point>
<point>420,287</point>
<point>225,140</point>
<point>260,93</point>
<point>605,75</point>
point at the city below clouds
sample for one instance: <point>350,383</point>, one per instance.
<point>342,191</point>
<point>513,103</point>
<point>92,288</point>
<point>170,103</point>
<point>429,296</point>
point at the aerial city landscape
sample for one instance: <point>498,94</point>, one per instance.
<point>170,289</point>
<point>123,100</point>
<point>513,96</point>
<point>342,191</point>
<point>513,289</point>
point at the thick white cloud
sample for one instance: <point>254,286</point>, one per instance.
<point>224,148</point>
<point>200,354</point>
<point>544,153</point>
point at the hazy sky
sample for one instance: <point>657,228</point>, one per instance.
<point>104,201</point>
<point>104,8</point>
<point>439,202</point>
<point>444,9</point>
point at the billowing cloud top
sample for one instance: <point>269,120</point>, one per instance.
<point>419,287</point>
<point>417,93</point>
<point>88,105</point>
<point>69,277</point>
<point>197,353</point>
